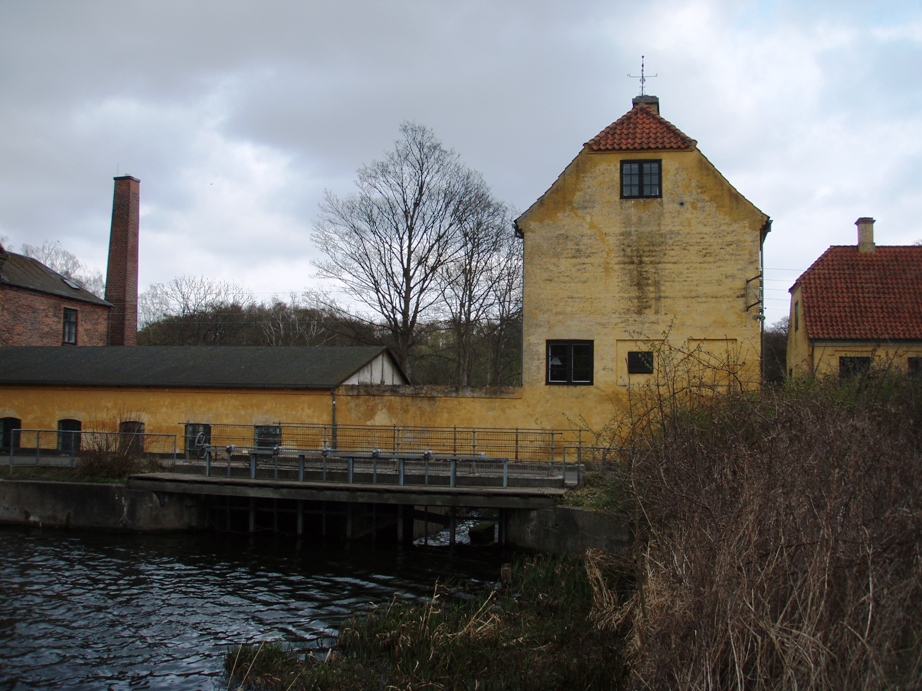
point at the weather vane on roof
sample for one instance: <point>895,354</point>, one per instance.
<point>642,77</point>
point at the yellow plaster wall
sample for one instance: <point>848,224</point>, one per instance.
<point>889,356</point>
<point>799,354</point>
<point>671,270</point>
<point>163,411</point>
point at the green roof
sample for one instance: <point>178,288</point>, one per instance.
<point>207,367</point>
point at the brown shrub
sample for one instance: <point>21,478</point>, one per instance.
<point>781,539</point>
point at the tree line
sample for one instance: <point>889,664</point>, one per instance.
<point>200,311</point>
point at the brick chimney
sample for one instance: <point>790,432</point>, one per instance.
<point>865,234</point>
<point>122,273</point>
<point>651,102</point>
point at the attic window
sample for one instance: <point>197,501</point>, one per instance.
<point>71,282</point>
<point>641,179</point>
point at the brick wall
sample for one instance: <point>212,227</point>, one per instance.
<point>28,318</point>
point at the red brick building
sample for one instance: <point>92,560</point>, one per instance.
<point>40,307</point>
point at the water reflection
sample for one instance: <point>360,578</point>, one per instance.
<point>102,611</point>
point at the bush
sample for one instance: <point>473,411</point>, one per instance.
<point>780,539</point>
<point>112,456</point>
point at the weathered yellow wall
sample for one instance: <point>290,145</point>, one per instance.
<point>162,411</point>
<point>799,356</point>
<point>621,272</point>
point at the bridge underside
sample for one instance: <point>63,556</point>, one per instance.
<point>356,511</point>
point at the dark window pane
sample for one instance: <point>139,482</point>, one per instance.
<point>267,436</point>
<point>630,179</point>
<point>582,362</point>
<point>9,432</point>
<point>70,326</point>
<point>69,435</point>
<point>640,362</point>
<point>853,366</point>
<point>569,362</point>
<point>641,178</point>
<point>914,367</point>
<point>558,362</point>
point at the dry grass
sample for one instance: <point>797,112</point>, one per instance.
<point>781,541</point>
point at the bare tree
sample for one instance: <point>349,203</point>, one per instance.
<point>58,259</point>
<point>388,243</point>
<point>473,284</point>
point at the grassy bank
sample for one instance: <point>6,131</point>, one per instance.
<point>536,630</point>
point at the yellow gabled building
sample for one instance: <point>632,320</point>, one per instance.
<point>640,247</point>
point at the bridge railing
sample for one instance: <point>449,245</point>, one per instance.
<point>513,444</point>
<point>379,467</point>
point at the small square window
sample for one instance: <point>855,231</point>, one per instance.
<point>640,362</point>
<point>569,362</point>
<point>641,179</point>
<point>69,336</point>
<point>853,366</point>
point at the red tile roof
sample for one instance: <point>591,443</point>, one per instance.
<point>640,128</point>
<point>852,295</point>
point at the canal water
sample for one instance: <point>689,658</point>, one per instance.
<point>109,611</point>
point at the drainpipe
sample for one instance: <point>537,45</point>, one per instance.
<point>333,418</point>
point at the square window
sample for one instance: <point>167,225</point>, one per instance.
<point>640,362</point>
<point>853,366</point>
<point>569,362</point>
<point>69,336</point>
<point>641,179</point>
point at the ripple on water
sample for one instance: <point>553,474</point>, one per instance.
<point>90,611</point>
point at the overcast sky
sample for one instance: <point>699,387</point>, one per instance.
<point>236,116</point>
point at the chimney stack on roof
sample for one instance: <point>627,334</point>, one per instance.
<point>122,272</point>
<point>865,234</point>
<point>651,102</point>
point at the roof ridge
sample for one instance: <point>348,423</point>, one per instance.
<point>641,128</point>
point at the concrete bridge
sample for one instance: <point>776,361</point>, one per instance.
<point>352,495</point>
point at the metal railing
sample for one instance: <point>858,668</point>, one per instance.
<point>513,444</point>
<point>62,448</point>
<point>377,467</point>
<point>595,458</point>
